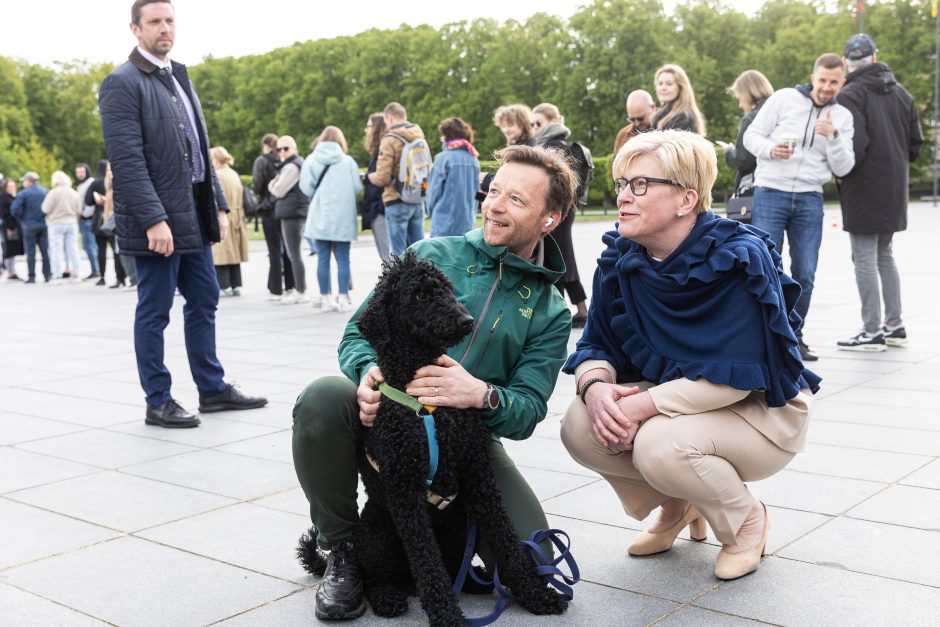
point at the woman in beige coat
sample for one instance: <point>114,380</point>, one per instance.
<point>233,250</point>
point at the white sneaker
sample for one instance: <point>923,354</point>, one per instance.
<point>327,304</point>
<point>316,300</point>
<point>302,298</point>
<point>56,281</point>
<point>289,298</point>
<point>343,304</point>
<point>274,297</point>
<point>75,280</point>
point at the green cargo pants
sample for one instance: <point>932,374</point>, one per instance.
<point>326,433</point>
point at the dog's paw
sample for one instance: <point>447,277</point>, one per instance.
<point>311,557</point>
<point>545,601</point>
<point>387,601</point>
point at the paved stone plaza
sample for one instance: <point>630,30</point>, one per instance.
<point>107,521</point>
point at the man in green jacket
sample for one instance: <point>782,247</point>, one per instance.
<point>504,274</point>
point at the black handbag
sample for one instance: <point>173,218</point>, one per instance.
<point>249,202</point>
<point>739,208</point>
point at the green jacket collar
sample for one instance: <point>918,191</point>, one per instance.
<point>553,268</point>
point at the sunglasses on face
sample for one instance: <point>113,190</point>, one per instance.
<point>283,148</point>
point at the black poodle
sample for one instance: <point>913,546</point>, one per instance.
<point>411,536</point>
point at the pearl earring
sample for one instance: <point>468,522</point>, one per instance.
<point>679,214</point>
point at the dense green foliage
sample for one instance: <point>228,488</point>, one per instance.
<point>586,65</point>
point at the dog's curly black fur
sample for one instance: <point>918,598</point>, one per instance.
<point>412,319</point>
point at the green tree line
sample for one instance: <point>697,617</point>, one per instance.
<point>585,64</point>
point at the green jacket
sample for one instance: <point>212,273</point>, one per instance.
<point>521,326</point>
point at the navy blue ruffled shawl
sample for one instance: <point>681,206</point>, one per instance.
<point>719,307</point>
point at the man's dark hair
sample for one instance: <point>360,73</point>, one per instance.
<point>829,61</point>
<point>269,140</point>
<point>139,4</point>
<point>562,181</point>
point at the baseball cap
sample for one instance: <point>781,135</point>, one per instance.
<point>32,176</point>
<point>858,47</point>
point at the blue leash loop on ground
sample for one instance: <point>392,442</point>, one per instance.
<point>547,569</point>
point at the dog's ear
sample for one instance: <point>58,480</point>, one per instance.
<point>373,322</point>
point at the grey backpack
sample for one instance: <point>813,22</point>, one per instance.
<point>414,168</point>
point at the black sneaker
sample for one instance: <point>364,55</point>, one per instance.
<point>864,342</point>
<point>895,337</point>
<point>340,593</point>
<point>806,353</point>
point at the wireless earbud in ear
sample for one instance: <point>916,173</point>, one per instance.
<point>550,222</point>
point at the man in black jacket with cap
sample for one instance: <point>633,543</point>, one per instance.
<point>874,194</point>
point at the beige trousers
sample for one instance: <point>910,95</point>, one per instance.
<point>701,458</point>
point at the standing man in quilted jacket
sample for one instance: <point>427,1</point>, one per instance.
<point>169,209</point>
<point>405,221</point>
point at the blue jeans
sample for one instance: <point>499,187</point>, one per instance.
<point>341,252</point>
<point>33,236</point>
<point>90,245</point>
<point>800,215</point>
<point>405,222</point>
<point>157,280</point>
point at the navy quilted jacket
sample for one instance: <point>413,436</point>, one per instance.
<point>146,143</point>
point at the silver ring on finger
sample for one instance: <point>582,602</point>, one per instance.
<point>437,391</point>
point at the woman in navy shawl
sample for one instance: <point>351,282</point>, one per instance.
<point>688,372</point>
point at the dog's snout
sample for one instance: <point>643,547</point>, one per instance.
<point>465,322</point>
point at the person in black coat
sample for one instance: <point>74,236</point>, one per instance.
<point>263,171</point>
<point>677,107</point>
<point>10,235</point>
<point>373,209</point>
<point>874,193</point>
<point>751,89</point>
<point>169,208</point>
<point>550,132</point>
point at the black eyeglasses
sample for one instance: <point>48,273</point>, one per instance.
<point>639,184</point>
<point>283,148</point>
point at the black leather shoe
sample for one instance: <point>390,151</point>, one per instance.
<point>807,353</point>
<point>231,398</point>
<point>340,593</point>
<point>171,415</point>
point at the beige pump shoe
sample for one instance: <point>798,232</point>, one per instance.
<point>648,543</point>
<point>735,565</point>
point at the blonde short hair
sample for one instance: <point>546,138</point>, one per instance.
<point>221,156</point>
<point>752,86</point>
<point>686,158</point>
<point>550,112</point>
<point>61,178</point>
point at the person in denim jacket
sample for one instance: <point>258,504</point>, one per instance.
<point>452,202</point>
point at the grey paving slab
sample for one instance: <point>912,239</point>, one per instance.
<point>25,609</point>
<point>213,431</point>
<point>16,428</point>
<point>98,388</point>
<point>839,410</point>
<point>120,501</point>
<point>21,375</point>
<point>547,453</point>
<point>787,592</point>
<point>292,500</point>
<point>854,463</point>
<point>902,505</point>
<point>894,397</point>
<point>129,581</point>
<point>30,533</point>
<point>105,449</point>
<point>874,548</point>
<point>813,493</point>
<point>92,413</point>
<point>276,415</point>
<point>231,535</point>
<point>926,477</point>
<point>896,440</point>
<point>275,447</point>
<point>22,469</point>
<point>547,483</point>
<point>691,616</point>
<point>211,471</point>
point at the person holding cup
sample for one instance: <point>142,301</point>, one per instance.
<point>801,137</point>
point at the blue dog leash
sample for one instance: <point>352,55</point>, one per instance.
<point>547,569</point>
<point>424,411</point>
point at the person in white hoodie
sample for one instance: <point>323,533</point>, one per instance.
<point>331,178</point>
<point>801,137</point>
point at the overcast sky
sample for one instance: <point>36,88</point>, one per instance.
<point>61,30</point>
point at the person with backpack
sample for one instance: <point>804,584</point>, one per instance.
<point>452,202</point>
<point>551,132</point>
<point>403,169</point>
<point>331,178</point>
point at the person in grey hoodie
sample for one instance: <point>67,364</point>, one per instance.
<point>801,137</point>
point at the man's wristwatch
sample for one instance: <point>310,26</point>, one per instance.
<point>491,398</point>
<point>835,133</point>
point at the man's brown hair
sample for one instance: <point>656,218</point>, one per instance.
<point>139,4</point>
<point>829,60</point>
<point>395,110</point>
<point>562,181</point>
<point>269,140</point>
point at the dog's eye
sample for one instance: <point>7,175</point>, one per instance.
<point>422,296</point>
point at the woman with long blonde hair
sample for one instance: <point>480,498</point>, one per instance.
<point>678,110</point>
<point>230,253</point>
